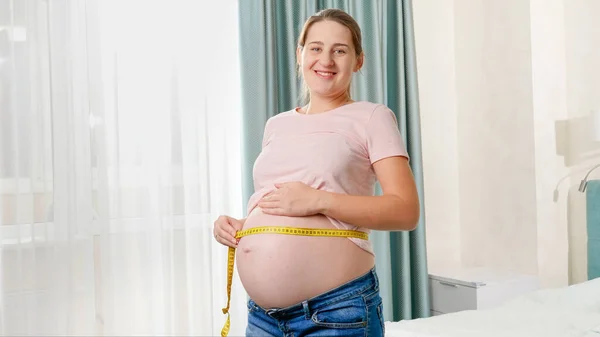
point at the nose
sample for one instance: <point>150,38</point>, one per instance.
<point>326,60</point>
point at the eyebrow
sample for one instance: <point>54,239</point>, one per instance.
<point>335,44</point>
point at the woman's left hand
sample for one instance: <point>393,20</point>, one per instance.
<point>291,199</point>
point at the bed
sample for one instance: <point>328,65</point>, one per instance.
<point>562,312</point>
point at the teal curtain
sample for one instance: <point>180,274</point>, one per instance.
<point>268,33</point>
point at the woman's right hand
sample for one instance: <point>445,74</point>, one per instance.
<point>225,229</point>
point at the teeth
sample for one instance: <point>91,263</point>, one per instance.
<point>324,74</point>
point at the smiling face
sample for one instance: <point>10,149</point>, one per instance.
<point>328,59</point>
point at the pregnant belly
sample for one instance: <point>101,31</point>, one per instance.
<point>281,270</point>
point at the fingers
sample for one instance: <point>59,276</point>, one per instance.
<point>269,200</point>
<point>268,204</point>
<point>268,197</point>
<point>224,232</point>
<point>274,211</point>
<point>226,239</point>
<point>237,225</point>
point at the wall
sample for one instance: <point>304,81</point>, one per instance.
<point>498,83</point>
<point>582,31</point>
<point>434,35</point>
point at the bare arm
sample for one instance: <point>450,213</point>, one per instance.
<point>396,209</point>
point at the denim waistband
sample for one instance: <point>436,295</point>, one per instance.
<point>358,286</point>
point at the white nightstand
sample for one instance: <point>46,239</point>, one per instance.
<point>458,289</point>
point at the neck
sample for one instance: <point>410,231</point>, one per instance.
<point>321,104</point>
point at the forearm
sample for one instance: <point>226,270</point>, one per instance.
<point>386,212</point>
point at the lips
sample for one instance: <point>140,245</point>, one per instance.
<point>325,74</point>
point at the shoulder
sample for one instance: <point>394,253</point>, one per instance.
<point>370,112</point>
<point>283,115</point>
<point>369,108</point>
<point>381,112</point>
<point>376,108</point>
<point>280,117</point>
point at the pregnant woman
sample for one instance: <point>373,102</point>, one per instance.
<point>317,169</point>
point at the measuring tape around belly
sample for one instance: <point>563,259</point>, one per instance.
<point>279,230</point>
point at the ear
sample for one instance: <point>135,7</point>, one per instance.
<point>359,62</point>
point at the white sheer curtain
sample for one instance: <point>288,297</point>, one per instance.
<point>119,147</point>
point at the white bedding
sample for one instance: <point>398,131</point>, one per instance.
<point>565,312</point>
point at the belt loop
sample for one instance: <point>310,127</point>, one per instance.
<point>306,309</point>
<point>271,312</point>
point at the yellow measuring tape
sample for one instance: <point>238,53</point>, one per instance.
<point>278,230</point>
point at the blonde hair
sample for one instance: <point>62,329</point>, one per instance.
<point>335,15</point>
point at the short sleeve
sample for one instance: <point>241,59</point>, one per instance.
<point>383,135</point>
<point>266,134</point>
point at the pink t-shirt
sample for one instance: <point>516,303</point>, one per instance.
<point>332,151</point>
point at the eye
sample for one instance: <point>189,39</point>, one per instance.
<point>316,49</point>
<point>340,51</point>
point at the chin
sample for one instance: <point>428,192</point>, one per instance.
<point>324,90</point>
<point>327,93</point>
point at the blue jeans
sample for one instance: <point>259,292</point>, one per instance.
<point>352,309</point>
